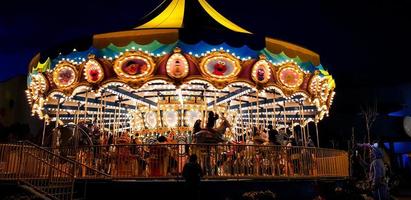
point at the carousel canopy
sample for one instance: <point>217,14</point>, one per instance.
<point>183,60</point>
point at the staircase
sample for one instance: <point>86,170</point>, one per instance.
<point>42,172</point>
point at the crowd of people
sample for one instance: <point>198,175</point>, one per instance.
<point>125,154</point>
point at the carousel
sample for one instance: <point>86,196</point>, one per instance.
<point>186,73</point>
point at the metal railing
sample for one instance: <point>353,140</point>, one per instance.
<point>217,161</point>
<point>44,171</point>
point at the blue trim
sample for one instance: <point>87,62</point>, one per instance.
<point>134,96</point>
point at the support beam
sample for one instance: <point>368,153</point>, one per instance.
<point>287,109</point>
<point>97,102</point>
<point>279,117</point>
<point>193,90</point>
<point>230,96</point>
<point>125,93</point>
<point>262,102</point>
<point>65,116</point>
<point>74,108</point>
<point>173,95</point>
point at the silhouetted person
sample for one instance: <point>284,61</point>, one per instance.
<point>192,174</point>
<point>197,126</point>
<point>292,142</point>
<point>212,118</point>
<point>272,135</point>
<point>376,174</point>
<point>161,139</point>
<point>110,139</point>
<point>310,142</point>
<point>255,131</point>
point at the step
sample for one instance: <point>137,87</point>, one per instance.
<point>54,187</point>
<point>60,182</point>
<point>57,195</point>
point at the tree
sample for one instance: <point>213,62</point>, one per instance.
<point>370,114</point>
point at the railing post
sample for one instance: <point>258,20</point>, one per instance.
<point>20,157</point>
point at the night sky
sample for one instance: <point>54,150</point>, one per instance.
<point>364,44</point>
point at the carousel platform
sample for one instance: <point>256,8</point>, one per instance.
<point>113,171</point>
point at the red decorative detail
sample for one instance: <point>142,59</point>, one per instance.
<point>94,73</point>
<point>134,67</point>
<point>220,68</point>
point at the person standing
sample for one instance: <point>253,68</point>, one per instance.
<point>310,142</point>
<point>192,174</point>
<point>272,135</point>
<point>197,126</point>
<point>376,174</point>
<point>212,119</point>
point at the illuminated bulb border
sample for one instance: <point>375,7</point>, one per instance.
<point>295,70</point>
<point>135,55</point>
<point>221,55</point>
<point>62,66</point>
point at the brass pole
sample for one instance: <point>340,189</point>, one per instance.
<point>274,120</point>
<point>182,114</point>
<point>58,113</point>
<point>114,121</point>
<point>44,132</point>
<point>99,111</point>
<point>318,139</point>
<point>307,130</point>
<point>118,122</point>
<point>258,110</point>
<point>205,109</point>
<point>103,118</point>
<point>302,124</point>
<point>118,119</point>
<point>215,103</point>
<point>285,118</point>
<point>85,106</point>
<point>76,136</point>
<point>159,112</point>
<point>242,124</point>
<point>250,125</point>
<point>266,116</point>
<point>109,122</point>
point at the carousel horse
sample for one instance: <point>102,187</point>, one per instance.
<point>65,136</point>
<point>206,153</point>
<point>213,136</point>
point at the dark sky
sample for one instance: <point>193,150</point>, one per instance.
<point>364,44</point>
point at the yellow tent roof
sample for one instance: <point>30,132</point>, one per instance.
<point>173,16</point>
